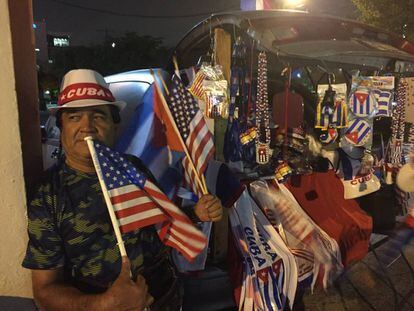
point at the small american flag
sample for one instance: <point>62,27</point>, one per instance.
<point>138,202</point>
<point>196,88</point>
<point>194,131</point>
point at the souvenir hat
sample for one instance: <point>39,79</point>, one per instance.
<point>84,88</point>
<point>359,186</point>
<point>358,132</point>
<point>405,178</point>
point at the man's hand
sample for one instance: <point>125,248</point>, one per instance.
<point>209,208</point>
<point>125,294</point>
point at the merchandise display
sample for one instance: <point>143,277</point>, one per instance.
<point>303,137</point>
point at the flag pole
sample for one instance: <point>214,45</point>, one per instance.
<point>114,220</point>
<point>177,71</point>
<point>167,110</point>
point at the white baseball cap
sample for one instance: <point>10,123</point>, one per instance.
<point>84,88</point>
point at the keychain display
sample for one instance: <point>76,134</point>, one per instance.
<point>384,100</point>
<point>240,91</point>
<point>409,100</point>
<point>262,113</point>
<point>332,110</point>
<point>217,104</point>
<point>210,86</point>
<point>372,96</point>
<point>398,124</point>
<point>329,136</point>
<point>358,132</point>
<point>196,88</point>
<point>363,103</point>
<point>248,136</point>
<point>282,172</point>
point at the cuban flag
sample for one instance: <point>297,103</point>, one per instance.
<point>358,132</point>
<point>146,137</point>
<point>328,136</point>
<point>384,102</point>
<point>363,103</point>
<point>339,118</point>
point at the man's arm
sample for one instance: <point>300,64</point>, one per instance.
<point>51,293</point>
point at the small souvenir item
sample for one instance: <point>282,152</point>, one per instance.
<point>396,151</point>
<point>248,136</point>
<point>328,136</point>
<point>283,172</point>
<point>332,110</point>
<point>262,112</point>
<point>388,168</point>
<point>196,89</point>
<point>358,132</point>
<point>363,103</point>
<point>262,153</point>
<point>210,86</point>
<point>384,102</point>
<point>216,99</point>
<point>340,114</point>
<point>367,164</point>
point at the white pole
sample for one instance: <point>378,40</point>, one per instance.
<point>114,220</point>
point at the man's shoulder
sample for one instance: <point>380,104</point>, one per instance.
<point>49,179</point>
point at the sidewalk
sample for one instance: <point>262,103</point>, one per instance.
<point>370,285</point>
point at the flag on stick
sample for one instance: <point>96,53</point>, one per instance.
<point>194,131</point>
<point>137,202</point>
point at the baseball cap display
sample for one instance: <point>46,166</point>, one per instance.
<point>84,88</point>
<point>360,186</point>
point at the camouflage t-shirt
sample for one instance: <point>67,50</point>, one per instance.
<point>69,227</point>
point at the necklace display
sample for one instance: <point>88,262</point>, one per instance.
<point>262,113</point>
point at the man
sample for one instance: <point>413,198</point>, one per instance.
<point>72,248</point>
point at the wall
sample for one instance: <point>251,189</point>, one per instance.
<point>17,85</point>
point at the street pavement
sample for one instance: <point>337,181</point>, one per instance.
<point>369,279</point>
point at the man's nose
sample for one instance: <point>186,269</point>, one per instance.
<point>88,123</point>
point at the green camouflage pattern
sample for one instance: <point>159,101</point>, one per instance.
<point>69,227</point>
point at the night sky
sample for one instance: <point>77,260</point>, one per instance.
<point>88,26</point>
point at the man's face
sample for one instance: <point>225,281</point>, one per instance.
<point>95,121</point>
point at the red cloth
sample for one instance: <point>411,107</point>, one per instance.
<point>294,113</point>
<point>321,195</point>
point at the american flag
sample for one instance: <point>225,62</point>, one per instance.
<point>196,88</point>
<point>194,131</point>
<point>138,202</point>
